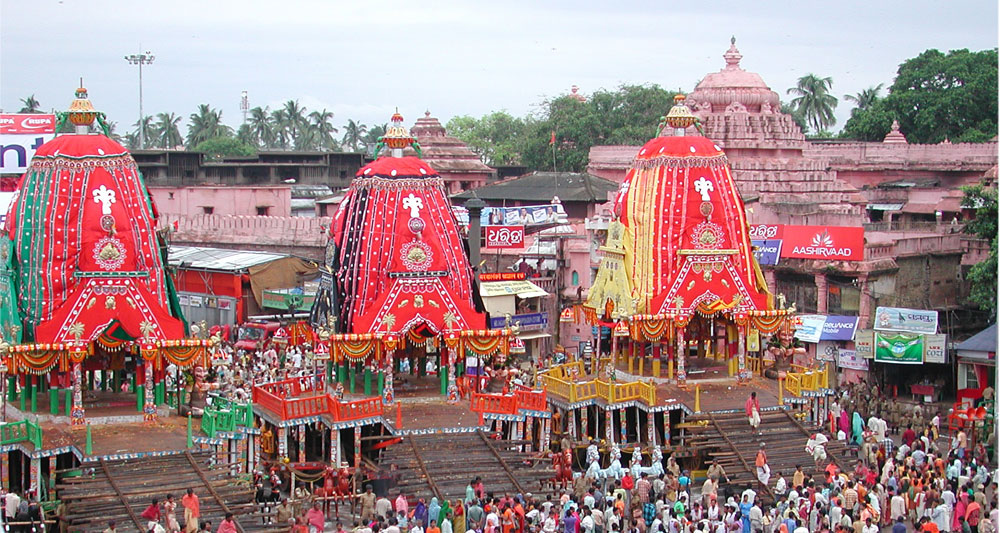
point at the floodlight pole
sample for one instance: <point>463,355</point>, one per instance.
<point>140,60</point>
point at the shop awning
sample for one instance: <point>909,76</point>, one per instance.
<point>979,348</point>
<point>520,288</point>
<point>885,207</point>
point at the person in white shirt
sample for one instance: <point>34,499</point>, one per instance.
<point>781,485</point>
<point>416,527</point>
<point>11,504</point>
<point>869,527</point>
<point>549,525</point>
<point>587,524</point>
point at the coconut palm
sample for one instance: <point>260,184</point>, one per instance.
<point>206,124</point>
<point>864,99</point>
<point>148,129</point>
<point>353,134</point>
<point>168,130</point>
<point>30,105</point>
<point>261,128</point>
<point>813,99</point>
<point>282,137</point>
<point>294,122</point>
<point>321,123</point>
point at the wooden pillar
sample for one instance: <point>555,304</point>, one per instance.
<point>335,454</point>
<point>609,428</point>
<point>571,423</point>
<point>368,380</point>
<point>282,442</point>
<point>33,392</point>
<point>302,443</point>
<point>545,436</point>
<point>584,423</point>
<point>357,447</point>
<point>631,356</point>
<point>651,427</point>
<point>623,418</point>
<point>741,354</point>
<point>681,357</point>
<point>53,394</point>
<point>77,415</point>
<point>149,404</point>
<point>388,393</point>
<point>657,349</point>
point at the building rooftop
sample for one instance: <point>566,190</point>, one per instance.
<point>219,259</point>
<point>543,186</point>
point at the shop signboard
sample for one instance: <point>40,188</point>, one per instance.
<point>864,343</point>
<point>767,251</point>
<point>899,348</point>
<point>839,328</point>
<point>504,237</point>
<point>851,360</point>
<point>839,243</point>
<point>908,320</point>
<point>935,348</point>
<point>527,321</point>
<point>826,351</point>
<point>810,327</point>
<point>21,134</point>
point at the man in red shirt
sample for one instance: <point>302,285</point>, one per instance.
<point>192,511</point>
<point>909,435</point>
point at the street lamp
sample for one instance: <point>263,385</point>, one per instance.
<point>140,60</point>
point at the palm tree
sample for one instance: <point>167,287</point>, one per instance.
<point>864,99</point>
<point>149,131</point>
<point>206,124</point>
<point>281,134</point>
<point>30,105</point>
<point>131,140</point>
<point>168,130</point>
<point>353,133</point>
<point>814,100</point>
<point>294,121</point>
<point>261,128</point>
<point>322,126</point>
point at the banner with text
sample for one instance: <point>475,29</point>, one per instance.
<point>909,320</point>
<point>901,348</point>
<point>849,359</point>
<point>864,343</point>
<point>504,236</point>
<point>767,251</point>
<point>841,243</point>
<point>20,135</point>
<point>936,348</point>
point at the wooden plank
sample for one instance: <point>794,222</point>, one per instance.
<point>503,463</point>
<point>211,489</point>
<point>114,485</point>
<point>423,468</point>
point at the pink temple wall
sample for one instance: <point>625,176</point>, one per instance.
<point>226,201</point>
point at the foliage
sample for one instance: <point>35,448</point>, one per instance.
<point>626,115</point>
<point>983,276</point>
<point>206,124</point>
<point>814,101</point>
<point>864,99</point>
<point>30,105</point>
<point>496,138</point>
<point>936,96</point>
<point>167,131</point>
<point>354,132</point>
<point>148,129</point>
<point>216,148</point>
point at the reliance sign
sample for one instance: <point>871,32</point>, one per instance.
<point>823,242</point>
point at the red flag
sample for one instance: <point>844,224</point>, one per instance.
<point>553,139</point>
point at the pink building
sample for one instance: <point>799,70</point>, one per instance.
<point>273,201</point>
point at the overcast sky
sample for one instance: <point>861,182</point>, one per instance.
<point>363,59</point>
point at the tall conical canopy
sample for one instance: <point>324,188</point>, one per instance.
<point>397,258</point>
<point>80,253</point>
<point>687,248</point>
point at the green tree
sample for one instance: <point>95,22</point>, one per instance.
<point>864,99</point>
<point>282,137</point>
<point>353,133</point>
<point>149,132</point>
<point>294,122</point>
<point>626,115</point>
<point>321,123</point>
<point>814,101</point>
<point>168,130</point>
<point>217,148</point>
<point>30,105</point>
<point>936,96</point>
<point>496,138</point>
<point>983,275</point>
<point>206,124</point>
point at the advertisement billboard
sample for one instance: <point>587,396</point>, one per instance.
<point>902,319</point>
<point>767,251</point>
<point>20,135</point>
<point>840,243</point>
<point>899,348</point>
<point>504,236</point>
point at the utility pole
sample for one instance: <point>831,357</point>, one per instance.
<point>140,60</point>
<point>244,105</point>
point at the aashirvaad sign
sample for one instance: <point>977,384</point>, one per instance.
<point>836,243</point>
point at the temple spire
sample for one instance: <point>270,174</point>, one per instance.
<point>733,55</point>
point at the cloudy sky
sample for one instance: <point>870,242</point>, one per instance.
<point>363,59</point>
